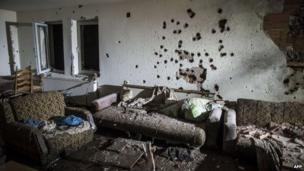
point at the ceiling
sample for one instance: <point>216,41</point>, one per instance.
<point>24,5</point>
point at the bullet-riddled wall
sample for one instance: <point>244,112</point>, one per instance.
<point>218,45</point>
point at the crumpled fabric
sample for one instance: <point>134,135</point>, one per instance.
<point>268,155</point>
<point>58,130</point>
<point>198,108</point>
<point>34,123</point>
<point>159,95</point>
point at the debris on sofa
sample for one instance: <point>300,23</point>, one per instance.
<point>159,95</point>
<point>290,139</point>
<point>151,124</point>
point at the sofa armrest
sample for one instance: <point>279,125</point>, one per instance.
<point>25,138</point>
<point>83,113</point>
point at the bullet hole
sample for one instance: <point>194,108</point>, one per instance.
<point>160,55</point>
<point>203,76</point>
<point>172,20</point>
<point>223,54</point>
<point>219,96</point>
<point>286,81</point>
<point>73,11</point>
<point>165,61</point>
<point>157,63</point>
<point>219,10</point>
<point>177,23</point>
<point>230,78</point>
<point>186,52</point>
<point>197,37</point>
<point>187,69</point>
<point>191,60</point>
<point>231,54</point>
<point>220,41</point>
<point>221,47</point>
<point>213,67</point>
<point>198,54</point>
<point>179,31</point>
<point>144,81</point>
<point>206,54</point>
<point>163,37</point>
<point>200,66</point>
<point>165,50</point>
<point>164,25</point>
<point>174,31</point>
<point>80,6</point>
<point>222,24</point>
<point>155,53</point>
<point>155,66</point>
<point>177,78</point>
<point>168,78</point>
<point>180,42</point>
<point>186,25</point>
<point>161,46</point>
<point>213,31</point>
<point>210,60</point>
<point>181,88</point>
<point>119,41</point>
<point>251,91</point>
<point>200,61</point>
<point>181,65</point>
<point>136,66</point>
<point>128,14</point>
<point>190,13</point>
<point>107,55</point>
<point>216,87</point>
<point>228,28</point>
<point>158,76</point>
<point>192,54</point>
<point>171,59</point>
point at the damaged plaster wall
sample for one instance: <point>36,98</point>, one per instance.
<point>139,39</point>
<point>5,16</point>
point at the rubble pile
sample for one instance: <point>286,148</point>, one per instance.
<point>290,139</point>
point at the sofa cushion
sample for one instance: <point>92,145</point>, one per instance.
<point>40,106</point>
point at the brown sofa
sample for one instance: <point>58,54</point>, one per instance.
<point>29,141</point>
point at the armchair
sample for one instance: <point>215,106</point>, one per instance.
<point>30,141</point>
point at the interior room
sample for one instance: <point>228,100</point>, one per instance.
<point>152,85</point>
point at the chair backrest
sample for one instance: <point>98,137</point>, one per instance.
<point>24,81</point>
<point>40,106</point>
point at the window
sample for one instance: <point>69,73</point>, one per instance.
<point>89,46</point>
<point>55,31</point>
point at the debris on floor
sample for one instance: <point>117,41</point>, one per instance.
<point>289,138</point>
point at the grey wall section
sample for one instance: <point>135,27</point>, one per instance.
<point>256,70</point>
<point>5,16</point>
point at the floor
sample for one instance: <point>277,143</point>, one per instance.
<point>112,153</point>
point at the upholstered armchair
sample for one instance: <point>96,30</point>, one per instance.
<point>30,141</point>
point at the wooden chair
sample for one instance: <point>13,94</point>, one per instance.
<point>24,81</point>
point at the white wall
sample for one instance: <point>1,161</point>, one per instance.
<point>5,16</point>
<point>256,71</point>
